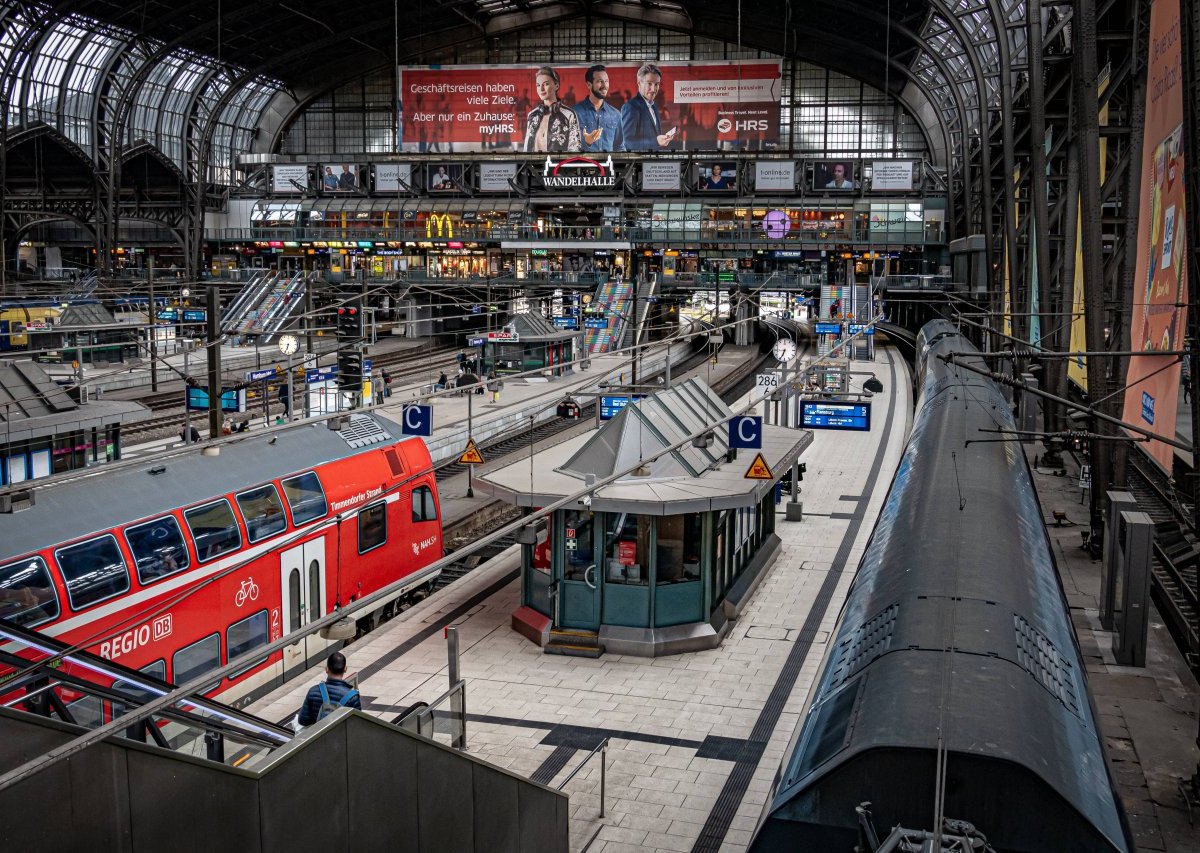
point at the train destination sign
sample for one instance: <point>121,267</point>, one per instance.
<point>825,414</point>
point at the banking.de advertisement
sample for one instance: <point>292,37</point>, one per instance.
<point>613,107</point>
<point>1160,288</point>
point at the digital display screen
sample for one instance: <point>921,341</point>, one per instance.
<point>610,407</point>
<point>829,328</point>
<point>815,414</point>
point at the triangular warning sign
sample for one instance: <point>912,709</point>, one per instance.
<point>759,469</point>
<point>472,456</point>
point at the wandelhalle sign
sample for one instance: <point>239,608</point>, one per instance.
<point>486,108</point>
<point>578,173</point>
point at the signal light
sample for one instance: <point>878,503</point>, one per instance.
<point>350,321</point>
<point>350,370</point>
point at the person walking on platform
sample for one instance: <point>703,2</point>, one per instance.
<point>495,385</point>
<point>334,692</point>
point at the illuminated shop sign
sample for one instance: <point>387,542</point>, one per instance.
<point>575,173</point>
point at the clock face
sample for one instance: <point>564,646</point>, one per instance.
<point>288,344</point>
<point>785,349</point>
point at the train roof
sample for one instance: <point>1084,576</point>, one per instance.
<point>111,497</point>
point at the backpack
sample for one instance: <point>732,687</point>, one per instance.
<point>328,706</point>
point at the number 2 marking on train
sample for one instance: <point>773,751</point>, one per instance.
<point>276,631</point>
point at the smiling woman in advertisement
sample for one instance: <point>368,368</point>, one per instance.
<point>552,125</point>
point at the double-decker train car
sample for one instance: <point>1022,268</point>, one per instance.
<point>953,684</point>
<point>175,567</point>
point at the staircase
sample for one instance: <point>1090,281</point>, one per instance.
<point>613,300</point>
<point>574,642</point>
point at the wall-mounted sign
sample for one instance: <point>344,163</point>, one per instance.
<point>393,177</point>
<point>893,175</point>
<point>576,173</point>
<point>660,175</point>
<point>495,177</point>
<point>504,337</point>
<point>775,176</point>
<point>289,178</point>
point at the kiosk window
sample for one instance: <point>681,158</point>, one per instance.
<point>158,548</point>
<point>27,595</point>
<point>423,508</point>
<point>214,528</point>
<point>263,512</point>
<point>94,570</point>
<point>197,659</point>
<point>305,498</point>
<point>372,527</point>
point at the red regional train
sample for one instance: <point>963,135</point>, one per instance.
<point>176,567</point>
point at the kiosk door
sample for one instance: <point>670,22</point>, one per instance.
<point>579,579</point>
<point>302,579</point>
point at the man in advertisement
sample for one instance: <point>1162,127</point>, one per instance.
<point>841,181</point>
<point>440,180</point>
<point>599,121</point>
<point>552,125</point>
<point>641,120</point>
<point>347,181</point>
<point>330,180</point>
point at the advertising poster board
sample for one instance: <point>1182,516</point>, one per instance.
<point>444,177</point>
<point>1160,286</point>
<point>696,106</point>
<point>341,177</point>
<point>775,176</point>
<point>718,176</point>
<point>393,177</point>
<point>495,177</point>
<point>834,175</point>
<point>289,177</point>
<point>661,175</point>
<point>892,175</point>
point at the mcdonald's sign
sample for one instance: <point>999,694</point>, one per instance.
<point>443,222</point>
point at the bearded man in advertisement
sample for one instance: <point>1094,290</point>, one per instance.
<point>552,126</point>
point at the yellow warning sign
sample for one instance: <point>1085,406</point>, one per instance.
<point>472,456</point>
<point>759,469</point>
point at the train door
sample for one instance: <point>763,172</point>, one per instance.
<point>302,579</point>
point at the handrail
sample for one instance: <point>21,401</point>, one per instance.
<point>602,748</point>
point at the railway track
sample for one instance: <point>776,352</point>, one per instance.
<point>1176,555</point>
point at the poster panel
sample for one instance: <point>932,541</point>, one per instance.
<point>775,176</point>
<point>393,177</point>
<point>495,177</point>
<point>622,106</point>
<point>834,175</point>
<point>1159,287</point>
<point>660,175</point>
<point>717,176</point>
<point>892,175</point>
<point>341,177</point>
<point>444,177</point>
<point>289,178</point>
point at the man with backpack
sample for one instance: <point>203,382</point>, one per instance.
<point>333,693</point>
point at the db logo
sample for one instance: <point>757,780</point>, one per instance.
<point>163,626</point>
<point>724,125</point>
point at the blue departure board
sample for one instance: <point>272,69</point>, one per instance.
<point>819,414</point>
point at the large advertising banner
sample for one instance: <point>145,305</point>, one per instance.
<point>1160,288</point>
<point>393,177</point>
<point>623,106</point>
<point>289,178</point>
<point>892,175</point>
<point>775,175</point>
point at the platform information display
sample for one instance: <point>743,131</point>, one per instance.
<point>610,407</point>
<point>816,414</point>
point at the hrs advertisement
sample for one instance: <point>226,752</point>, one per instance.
<point>622,106</point>
<point>1160,288</point>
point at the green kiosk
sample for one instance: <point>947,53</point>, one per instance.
<point>660,560</point>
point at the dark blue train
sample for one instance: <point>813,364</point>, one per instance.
<point>954,652</point>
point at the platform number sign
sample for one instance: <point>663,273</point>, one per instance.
<point>768,381</point>
<point>417,420</point>
<point>746,432</point>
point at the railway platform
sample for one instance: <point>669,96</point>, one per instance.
<point>695,738</point>
<point>1148,715</point>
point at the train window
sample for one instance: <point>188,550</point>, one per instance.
<point>246,635</point>
<point>214,529</point>
<point>423,507</point>
<point>305,498</point>
<point>314,590</point>
<point>27,595</point>
<point>372,527</point>
<point>197,659</point>
<point>158,670</point>
<point>94,570</point>
<point>263,512</point>
<point>293,600</point>
<point>157,548</point>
